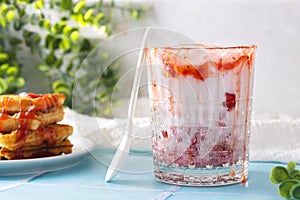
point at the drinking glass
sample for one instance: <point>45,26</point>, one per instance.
<point>201,100</point>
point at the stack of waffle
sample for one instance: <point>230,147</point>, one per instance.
<point>29,128</point>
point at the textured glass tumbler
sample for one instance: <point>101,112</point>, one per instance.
<point>201,99</point>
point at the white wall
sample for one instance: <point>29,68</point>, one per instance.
<point>274,25</point>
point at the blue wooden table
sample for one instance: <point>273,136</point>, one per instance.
<point>85,180</point>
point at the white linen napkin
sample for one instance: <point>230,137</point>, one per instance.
<point>273,137</point>
<point>107,133</point>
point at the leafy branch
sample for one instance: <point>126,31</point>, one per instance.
<point>10,78</point>
<point>52,30</point>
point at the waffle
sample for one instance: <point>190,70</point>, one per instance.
<point>29,126</point>
<point>32,121</point>
<point>26,102</point>
<point>43,150</point>
<point>50,134</point>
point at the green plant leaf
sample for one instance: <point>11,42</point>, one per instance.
<point>97,20</point>
<point>56,43</point>
<point>52,3</point>
<point>134,14</point>
<point>108,110</point>
<point>66,4</point>
<point>10,15</point>
<point>41,22</point>
<point>88,14</point>
<point>57,84</point>
<point>2,73</point>
<point>63,90</point>
<point>52,42</point>
<point>103,28</point>
<point>60,27</point>
<point>103,57</point>
<point>101,94</point>
<point>3,86</point>
<point>11,81</point>
<point>3,57</point>
<point>58,63</point>
<point>4,67</point>
<point>12,71</point>
<point>293,172</point>
<point>279,174</point>
<point>65,43</point>
<point>85,45</point>
<point>44,68</point>
<point>296,177</point>
<point>295,191</point>
<point>79,18</point>
<point>285,188</point>
<point>69,67</point>
<point>17,25</point>
<point>291,166</point>
<point>51,59</point>
<point>46,24</point>
<point>20,82</point>
<point>74,35</point>
<point>39,4</point>
<point>22,12</point>
<point>3,22</point>
<point>104,99</point>
<point>116,66</point>
<point>53,28</point>
<point>49,41</point>
<point>79,6</point>
<point>66,31</point>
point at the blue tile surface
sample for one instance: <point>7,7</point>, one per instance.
<point>86,181</point>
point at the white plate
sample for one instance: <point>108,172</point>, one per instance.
<point>47,164</point>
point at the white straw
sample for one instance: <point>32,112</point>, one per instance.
<point>122,152</point>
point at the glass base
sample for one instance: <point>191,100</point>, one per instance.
<point>216,176</point>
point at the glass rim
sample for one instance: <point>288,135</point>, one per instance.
<point>202,46</point>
